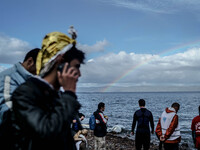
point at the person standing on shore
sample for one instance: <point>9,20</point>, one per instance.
<point>195,127</point>
<point>168,130</point>
<point>76,123</point>
<point>100,130</point>
<point>143,117</point>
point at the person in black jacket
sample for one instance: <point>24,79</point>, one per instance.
<point>143,117</point>
<point>100,130</point>
<point>76,123</point>
<point>41,115</point>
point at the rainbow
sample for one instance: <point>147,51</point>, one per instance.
<point>167,52</point>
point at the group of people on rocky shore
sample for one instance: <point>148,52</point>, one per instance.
<point>36,113</point>
<point>167,129</point>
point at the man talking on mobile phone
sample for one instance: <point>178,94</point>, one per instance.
<point>41,117</point>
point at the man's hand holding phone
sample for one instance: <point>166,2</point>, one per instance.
<point>67,77</point>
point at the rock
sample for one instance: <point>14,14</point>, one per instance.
<point>114,142</point>
<point>184,146</point>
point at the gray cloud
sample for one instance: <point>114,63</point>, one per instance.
<point>128,70</point>
<point>12,50</point>
<point>124,71</point>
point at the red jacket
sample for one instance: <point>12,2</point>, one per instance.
<point>196,128</point>
<point>170,130</point>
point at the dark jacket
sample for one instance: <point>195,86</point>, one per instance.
<point>41,118</point>
<point>76,126</point>
<point>143,117</point>
<point>100,128</point>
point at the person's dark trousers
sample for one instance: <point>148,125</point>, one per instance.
<point>171,146</point>
<point>160,145</point>
<point>142,140</point>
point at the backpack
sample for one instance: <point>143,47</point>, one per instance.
<point>92,122</point>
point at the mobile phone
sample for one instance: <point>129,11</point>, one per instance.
<point>61,67</point>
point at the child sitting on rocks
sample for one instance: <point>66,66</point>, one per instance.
<point>80,139</point>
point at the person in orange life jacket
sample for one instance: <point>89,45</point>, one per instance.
<point>168,130</point>
<point>100,130</point>
<point>195,127</point>
<point>143,117</point>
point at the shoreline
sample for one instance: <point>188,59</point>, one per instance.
<point>115,142</point>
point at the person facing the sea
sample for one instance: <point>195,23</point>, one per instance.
<point>11,78</point>
<point>100,130</point>
<point>168,130</point>
<point>195,127</point>
<point>143,117</point>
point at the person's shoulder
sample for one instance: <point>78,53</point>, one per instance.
<point>30,85</point>
<point>176,116</point>
<point>96,112</point>
<point>14,72</point>
<point>148,111</point>
<point>196,118</point>
<point>24,86</point>
<point>30,88</point>
<point>137,111</point>
<point>99,113</point>
<point>8,72</point>
<point>38,81</point>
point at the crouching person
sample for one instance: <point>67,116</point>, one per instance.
<point>81,139</point>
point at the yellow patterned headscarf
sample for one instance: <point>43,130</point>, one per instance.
<point>51,45</point>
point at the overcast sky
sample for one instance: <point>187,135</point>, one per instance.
<point>130,45</point>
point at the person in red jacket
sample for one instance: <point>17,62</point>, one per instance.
<point>168,130</point>
<point>196,130</point>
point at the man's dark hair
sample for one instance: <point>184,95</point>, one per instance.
<point>32,53</point>
<point>176,105</point>
<point>101,105</point>
<point>80,115</point>
<point>74,53</point>
<point>141,102</point>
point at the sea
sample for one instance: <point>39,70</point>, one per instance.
<point>120,107</point>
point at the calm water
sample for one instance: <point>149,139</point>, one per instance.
<point>121,106</point>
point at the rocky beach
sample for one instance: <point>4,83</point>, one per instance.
<point>115,142</point>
